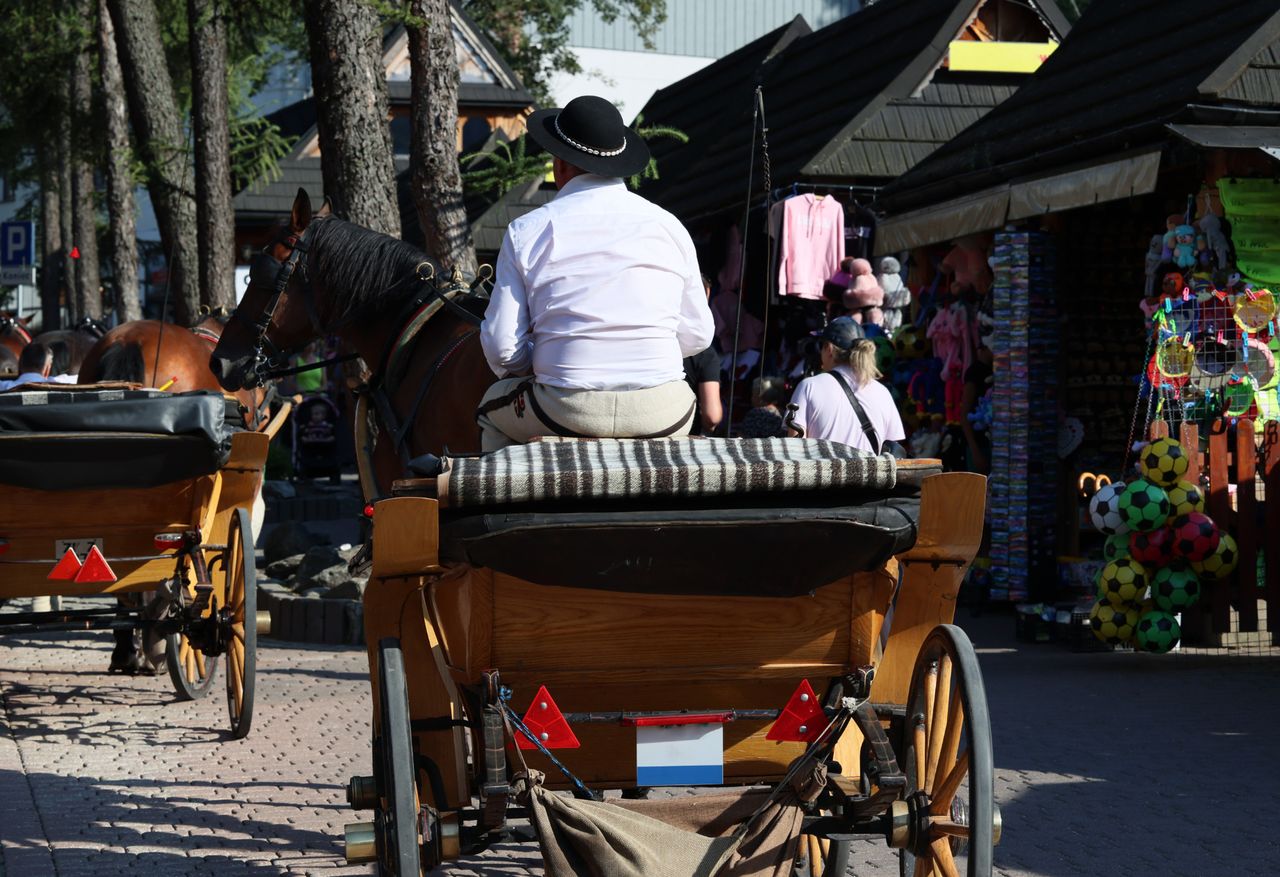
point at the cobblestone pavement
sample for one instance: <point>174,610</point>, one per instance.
<point>1108,764</point>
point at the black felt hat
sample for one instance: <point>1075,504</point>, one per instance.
<point>589,133</point>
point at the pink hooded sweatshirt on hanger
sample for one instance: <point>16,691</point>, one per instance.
<point>812,244</point>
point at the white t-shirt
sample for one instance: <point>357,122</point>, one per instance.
<point>597,290</point>
<point>825,413</point>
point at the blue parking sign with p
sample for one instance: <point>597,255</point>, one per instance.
<point>17,244</point>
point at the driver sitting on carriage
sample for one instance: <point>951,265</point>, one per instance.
<point>598,298</point>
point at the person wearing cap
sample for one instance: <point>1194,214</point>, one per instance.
<point>598,297</point>
<point>846,403</point>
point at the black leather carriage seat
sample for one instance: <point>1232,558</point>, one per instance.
<point>753,542</point>
<point>60,437</point>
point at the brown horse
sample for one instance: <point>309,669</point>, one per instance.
<point>129,353</point>
<point>79,339</point>
<point>325,276</point>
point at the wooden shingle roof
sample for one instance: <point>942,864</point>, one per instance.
<point>1128,68</point>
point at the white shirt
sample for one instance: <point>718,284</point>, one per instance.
<point>825,413</point>
<point>24,378</point>
<point>598,289</point>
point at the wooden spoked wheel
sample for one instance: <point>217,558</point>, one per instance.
<point>192,673</point>
<point>399,850</point>
<point>946,754</point>
<point>240,622</point>
<point>824,857</point>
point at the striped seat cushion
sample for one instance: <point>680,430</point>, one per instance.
<point>600,469</point>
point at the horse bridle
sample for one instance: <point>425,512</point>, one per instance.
<point>268,357</point>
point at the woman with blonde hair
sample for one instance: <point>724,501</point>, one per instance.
<point>846,403</point>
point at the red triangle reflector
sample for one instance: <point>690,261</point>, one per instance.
<point>65,570</point>
<point>95,569</point>
<point>550,726</point>
<point>802,719</point>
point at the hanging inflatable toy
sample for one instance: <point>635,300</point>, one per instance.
<point>1215,359</point>
<point>1259,364</point>
<point>1239,396</point>
<point>1174,357</point>
<point>1255,310</point>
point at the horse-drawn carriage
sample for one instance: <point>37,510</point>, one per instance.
<point>146,496</point>
<point>590,615</point>
<point>772,616</point>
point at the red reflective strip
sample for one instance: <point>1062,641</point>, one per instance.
<point>4,545</point>
<point>167,541</point>
<point>693,719</point>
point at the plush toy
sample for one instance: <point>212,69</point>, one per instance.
<point>1204,255</point>
<point>1170,238</point>
<point>896,295</point>
<point>865,297</point>
<point>1184,251</point>
<point>966,262</point>
<point>1217,241</point>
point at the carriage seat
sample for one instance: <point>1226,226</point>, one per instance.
<point>68,437</point>
<point>679,515</point>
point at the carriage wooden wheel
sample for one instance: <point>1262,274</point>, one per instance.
<point>951,822</point>
<point>397,820</point>
<point>240,622</point>
<point>192,673</point>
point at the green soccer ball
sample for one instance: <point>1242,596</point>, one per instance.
<point>1157,632</point>
<point>1184,498</point>
<point>1122,582</point>
<point>1113,625</point>
<point>1219,565</point>
<point>1174,588</point>
<point>1143,505</point>
<point>1116,546</point>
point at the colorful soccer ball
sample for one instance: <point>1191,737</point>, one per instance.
<point>1184,498</point>
<point>1174,588</point>
<point>1104,509</point>
<point>1152,548</point>
<point>1221,563</point>
<point>1164,462</point>
<point>1195,536</point>
<point>1111,624</point>
<point>1157,632</point>
<point>1122,582</point>
<point>1143,505</point>
<point>1116,546</point>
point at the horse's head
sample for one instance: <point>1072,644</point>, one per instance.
<point>276,315</point>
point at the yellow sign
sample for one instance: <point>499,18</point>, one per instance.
<point>981,57</point>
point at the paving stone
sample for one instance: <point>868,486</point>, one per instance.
<point>109,776</point>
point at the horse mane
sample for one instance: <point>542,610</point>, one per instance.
<point>364,271</point>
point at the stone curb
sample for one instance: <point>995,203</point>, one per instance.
<point>311,619</point>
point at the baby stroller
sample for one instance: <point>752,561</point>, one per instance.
<point>315,438</point>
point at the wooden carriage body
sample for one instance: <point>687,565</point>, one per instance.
<point>609,650</point>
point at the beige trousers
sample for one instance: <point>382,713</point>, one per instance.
<point>516,410</point>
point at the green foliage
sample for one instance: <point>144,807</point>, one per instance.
<point>40,40</point>
<point>503,168</point>
<point>651,133</point>
<point>533,35</point>
<point>256,149</point>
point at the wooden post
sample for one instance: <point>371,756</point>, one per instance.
<point>1191,444</point>
<point>1218,505</point>
<point>1246,529</point>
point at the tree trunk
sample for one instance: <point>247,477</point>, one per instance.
<point>214,215</point>
<point>50,243</point>
<point>120,207</point>
<point>67,274</point>
<point>84,213</point>
<point>352,112</point>
<point>437,179</point>
<point>153,110</point>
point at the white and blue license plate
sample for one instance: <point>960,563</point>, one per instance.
<point>680,755</point>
